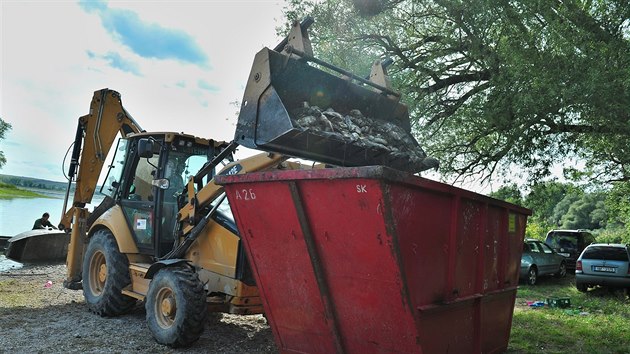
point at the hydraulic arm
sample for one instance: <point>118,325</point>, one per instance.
<point>94,137</point>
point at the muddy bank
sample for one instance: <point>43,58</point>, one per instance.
<point>7,264</point>
<point>37,316</point>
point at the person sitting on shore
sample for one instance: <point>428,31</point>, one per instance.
<point>43,223</point>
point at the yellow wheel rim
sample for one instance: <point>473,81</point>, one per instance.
<point>98,273</point>
<point>165,307</point>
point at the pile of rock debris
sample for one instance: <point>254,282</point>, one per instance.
<point>365,132</point>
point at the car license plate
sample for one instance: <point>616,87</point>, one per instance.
<point>564,254</point>
<point>604,269</point>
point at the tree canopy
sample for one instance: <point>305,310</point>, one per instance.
<point>510,193</point>
<point>4,128</point>
<point>618,204</point>
<point>494,85</point>
<point>567,206</point>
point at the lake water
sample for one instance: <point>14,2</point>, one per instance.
<point>18,214</point>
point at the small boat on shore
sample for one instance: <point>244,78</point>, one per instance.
<point>3,242</point>
<point>38,246</point>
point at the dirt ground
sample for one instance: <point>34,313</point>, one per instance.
<point>40,318</point>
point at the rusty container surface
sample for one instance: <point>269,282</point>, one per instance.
<point>374,260</point>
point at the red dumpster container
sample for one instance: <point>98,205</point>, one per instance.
<point>374,260</point>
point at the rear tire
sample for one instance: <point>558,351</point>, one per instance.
<point>532,276</point>
<point>176,307</point>
<point>562,272</point>
<point>581,287</point>
<point>105,274</point>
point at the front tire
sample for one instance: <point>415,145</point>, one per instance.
<point>532,276</point>
<point>176,307</point>
<point>105,274</point>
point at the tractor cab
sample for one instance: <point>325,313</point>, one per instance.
<point>147,179</point>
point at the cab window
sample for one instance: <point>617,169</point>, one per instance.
<point>114,174</point>
<point>141,188</point>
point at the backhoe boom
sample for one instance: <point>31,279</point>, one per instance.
<point>94,137</point>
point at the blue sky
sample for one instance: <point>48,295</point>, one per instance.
<point>147,39</point>
<point>177,65</point>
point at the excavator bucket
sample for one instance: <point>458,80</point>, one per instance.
<point>294,108</point>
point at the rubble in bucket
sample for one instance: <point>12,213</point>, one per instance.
<point>363,131</point>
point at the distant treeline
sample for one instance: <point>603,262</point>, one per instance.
<point>29,182</point>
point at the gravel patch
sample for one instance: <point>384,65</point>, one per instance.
<point>38,315</point>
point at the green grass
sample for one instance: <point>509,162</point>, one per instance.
<point>10,191</point>
<point>9,297</point>
<point>596,322</point>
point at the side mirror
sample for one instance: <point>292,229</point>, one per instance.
<point>145,148</point>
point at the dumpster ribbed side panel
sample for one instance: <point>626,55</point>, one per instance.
<point>275,245</point>
<point>468,252</point>
<point>428,225</point>
<point>371,260</point>
<point>362,267</point>
<point>460,262</point>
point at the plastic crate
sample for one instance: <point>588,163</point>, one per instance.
<point>559,302</point>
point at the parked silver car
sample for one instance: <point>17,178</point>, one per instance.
<point>605,265</point>
<point>539,259</point>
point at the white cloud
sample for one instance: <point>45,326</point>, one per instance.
<point>149,40</point>
<point>54,55</point>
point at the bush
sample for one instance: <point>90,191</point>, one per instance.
<point>536,230</point>
<point>616,235</point>
<point>7,185</point>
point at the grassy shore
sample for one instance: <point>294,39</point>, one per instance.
<point>596,322</point>
<point>11,191</point>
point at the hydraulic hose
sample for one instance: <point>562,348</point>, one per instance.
<point>181,250</point>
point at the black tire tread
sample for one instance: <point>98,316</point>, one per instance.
<point>535,280</point>
<point>188,328</point>
<point>112,302</point>
<point>581,287</point>
<point>559,274</point>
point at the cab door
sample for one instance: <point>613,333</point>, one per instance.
<point>138,198</point>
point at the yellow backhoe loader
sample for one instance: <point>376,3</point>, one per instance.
<point>164,234</point>
<point>139,244</point>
